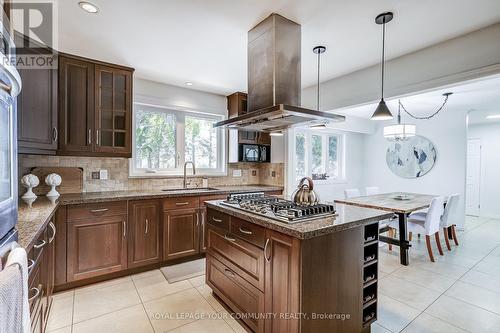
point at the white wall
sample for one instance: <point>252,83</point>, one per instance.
<point>448,132</point>
<point>490,166</point>
<point>167,95</point>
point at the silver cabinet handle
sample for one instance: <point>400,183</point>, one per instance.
<point>53,227</point>
<point>37,293</point>
<point>229,272</point>
<point>181,203</point>
<point>31,264</point>
<point>216,220</point>
<point>40,245</point>
<point>124,229</point>
<point>147,227</point>
<point>229,238</point>
<point>90,136</point>
<point>245,231</point>
<point>5,87</point>
<point>55,134</point>
<point>197,219</point>
<point>99,210</point>
<point>265,251</point>
<point>97,136</point>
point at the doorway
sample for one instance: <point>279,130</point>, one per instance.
<point>473,184</point>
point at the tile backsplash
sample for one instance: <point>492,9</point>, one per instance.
<point>118,174</point>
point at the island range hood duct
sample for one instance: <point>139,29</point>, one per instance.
<point>274,82</point>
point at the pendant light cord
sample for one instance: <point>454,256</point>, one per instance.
<point>446,96</point>
<point>317,102</point>
<point>383,57</point>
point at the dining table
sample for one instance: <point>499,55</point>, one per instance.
<point>402,204</point>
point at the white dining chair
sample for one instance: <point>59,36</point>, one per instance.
<point>427,224</point>
<point>351,193</point>
<point>372,190</point>
<point>447,219</point>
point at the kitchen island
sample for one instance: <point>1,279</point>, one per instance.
<point>311,276</point>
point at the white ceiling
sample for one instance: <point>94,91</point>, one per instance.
<point>481,98</point>
<point>204,41</point>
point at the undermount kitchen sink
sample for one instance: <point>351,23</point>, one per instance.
<point>191,189</point>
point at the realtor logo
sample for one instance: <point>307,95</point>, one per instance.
<point>35,36</point>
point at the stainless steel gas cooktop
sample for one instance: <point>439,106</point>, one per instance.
<point>277,209</point>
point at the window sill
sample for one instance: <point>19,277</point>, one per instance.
<point>178,175</point>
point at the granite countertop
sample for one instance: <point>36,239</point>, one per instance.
<point>34,217</point>
<point>389,202</point>
<point>347,217</point>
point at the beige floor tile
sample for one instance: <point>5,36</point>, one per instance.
<point>205,326</point>
<point>484,298</point>
<point>206,292</point>
<point>104,284</point>
<point>178,309</point>
<point>97,302</point>
<point>197,281</point>
<point>490,265</point>
<point>376,328</point>
<point>155,285</point>
<point>235,325</point>
<point>129,320</point>
<point>407,292</point>
<point>145,274</point>
<point>61,313</point>
<point>464,315</point>
<point>388,263</point>
<point>66,329</point>
<point>483,280</point>
<point>450,270</point>
<point>423,278</point>
<point>394,315</point>
<point>429,324</point>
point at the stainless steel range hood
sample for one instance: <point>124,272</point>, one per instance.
<point>274,82</point>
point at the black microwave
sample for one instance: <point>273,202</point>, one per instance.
<point>254,153</point>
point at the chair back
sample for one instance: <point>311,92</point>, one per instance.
<point>434,214</point>
<point>372,190</point>
<point>351,193</point>
<point>449,210</point>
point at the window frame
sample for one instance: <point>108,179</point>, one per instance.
<point>325,134</point>
<point>180,115</point>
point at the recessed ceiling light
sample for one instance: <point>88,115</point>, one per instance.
<point>88,7</point>
<point>493,116</point>
<point>279,133</point>
<point>318,126</point>
<point>188,83</point>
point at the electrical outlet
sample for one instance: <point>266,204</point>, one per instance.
<point>273,174</point>
<point>237,173</point>
<point>95,174</point>
<point>254,173</point>
<point>103,174</point>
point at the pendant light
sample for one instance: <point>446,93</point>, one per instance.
<point>399,132</point>
<point>382,112</point>
<point>319,50</point>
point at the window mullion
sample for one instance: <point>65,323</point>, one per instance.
<point>180,141</point>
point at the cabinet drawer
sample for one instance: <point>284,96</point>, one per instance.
<point>253,233</point>
<point>237,293</point>
<point>246,259</point>
<point>218,219</point>
<point>180,203</point>
<point>103,209</point>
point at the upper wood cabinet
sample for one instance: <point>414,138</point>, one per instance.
<point>37,129</point>
<point>144,235</point>
<point>236,104</point>
<point>95,108</point>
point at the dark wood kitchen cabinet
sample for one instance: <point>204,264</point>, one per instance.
<point>181,230</point>
<point>203,217</point>
<point>144,236</point>
<point>37,130</point>
<point>95,108</point>
<point>96,240</point>
<point>236,104</point>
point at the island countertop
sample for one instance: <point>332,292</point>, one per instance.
<point>347,217</point>
<point>34,217</point>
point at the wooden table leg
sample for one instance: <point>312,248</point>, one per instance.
<point>404,245</point>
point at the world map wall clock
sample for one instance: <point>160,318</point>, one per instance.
<point>412,158</point>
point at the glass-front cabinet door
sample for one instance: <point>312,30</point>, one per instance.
<point>113,110</point>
